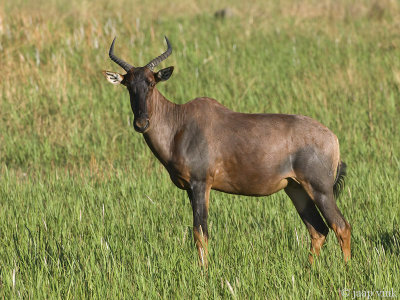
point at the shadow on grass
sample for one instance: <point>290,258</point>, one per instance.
<point>389,239</point>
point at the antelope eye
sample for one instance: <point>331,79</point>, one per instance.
<point>152,84</point>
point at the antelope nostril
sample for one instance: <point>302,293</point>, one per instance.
<point>141,124</point>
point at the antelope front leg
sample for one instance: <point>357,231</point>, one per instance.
<point>199,194</point>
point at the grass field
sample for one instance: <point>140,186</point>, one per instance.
<point>86,211</point>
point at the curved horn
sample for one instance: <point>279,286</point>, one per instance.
<point>124,65</point>
<point>151,65</point>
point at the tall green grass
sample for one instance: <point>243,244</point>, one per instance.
<point>86,211</point>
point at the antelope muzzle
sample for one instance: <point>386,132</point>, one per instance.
<point>141,123</point>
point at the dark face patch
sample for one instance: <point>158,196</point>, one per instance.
<point>140,83</point>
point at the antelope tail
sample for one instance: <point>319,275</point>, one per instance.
<point>338,185</point>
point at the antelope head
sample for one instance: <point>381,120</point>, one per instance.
<point>140,82</point>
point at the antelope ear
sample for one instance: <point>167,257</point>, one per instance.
<point>114,78</point>
<point>164,74</point>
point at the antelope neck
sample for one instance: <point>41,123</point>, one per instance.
<point>164,121</point>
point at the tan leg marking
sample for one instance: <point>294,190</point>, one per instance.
<point>201,242</point>
<point>344,237</point>
<point>317,240</point>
